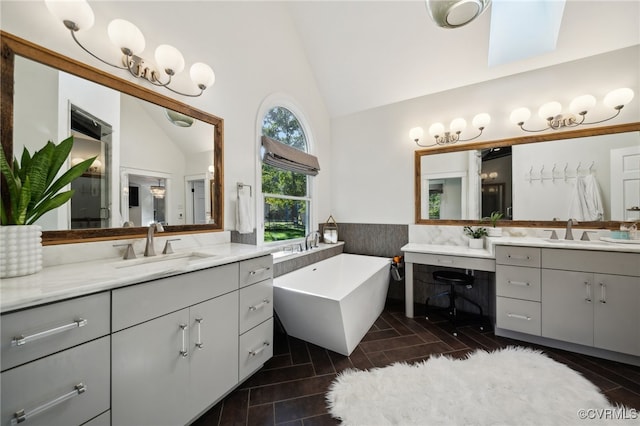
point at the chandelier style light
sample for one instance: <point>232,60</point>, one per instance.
<point>77,15</point>
<point>451,136</point>
<point>579,107</point>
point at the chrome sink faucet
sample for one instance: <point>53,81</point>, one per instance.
<point>149,250</point>
<point>568,234</point>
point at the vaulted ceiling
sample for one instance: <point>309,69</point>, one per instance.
<point>370,53</point>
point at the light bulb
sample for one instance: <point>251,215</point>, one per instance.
<point>550,110</point>
<point>582,104</point>
<point>458,125</point>
<point>126,36</point>
<point>169,59</point>
<point>436,129</point>
<point>416,134</point>
<point>481,120</point>
<point>77,12</point>
<point>520,115</point>
<point>618,98</point>
<point>202,75</point>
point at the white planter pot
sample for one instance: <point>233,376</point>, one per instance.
<point>494,232</point>
<point>20,250</point>
<point>476,243</point>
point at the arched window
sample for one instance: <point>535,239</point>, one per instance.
<point>287,199</point>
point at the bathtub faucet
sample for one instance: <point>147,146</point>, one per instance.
<point>315,236</point>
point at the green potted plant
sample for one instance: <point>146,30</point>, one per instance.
<point>475,236</point>
<point>30,189</point>
<point>493,231</point>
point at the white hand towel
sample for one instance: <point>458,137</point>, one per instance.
<point>586,204</point>
<point>244,215</point>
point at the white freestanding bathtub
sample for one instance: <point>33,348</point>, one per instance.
<point>333,303</point>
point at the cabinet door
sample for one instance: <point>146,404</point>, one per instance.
<point>567,306</point>
<point>617,313</point>
<point>149,374</point>
<point>214,350</point>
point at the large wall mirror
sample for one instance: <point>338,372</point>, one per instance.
<point>158,160</point>
<point>536,180</point>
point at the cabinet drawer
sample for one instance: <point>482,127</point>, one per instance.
<point>518,315</point>
<point>518,256</point>
<point>256,347</point>
<point>482,264</point>
<point>34,385</point>
<point>592,261</point>
<point>33,333</point>
<point>256,270</point>
<point>103,419</point>
<point>256,304</point>
<point>518,282</point>
<point>142,302</point>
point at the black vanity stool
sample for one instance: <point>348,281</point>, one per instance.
<point>453,279</point>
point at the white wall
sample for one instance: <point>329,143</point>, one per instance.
<point>252,47</point>
<point>372,155</point>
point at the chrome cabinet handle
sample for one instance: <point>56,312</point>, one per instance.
<point>184,352</point>
<point>24,415</point>
<point>260,270</point>
<point>21,340</point>
<point>520,283</point>
<point>587,286</point>
<point>258,351</point>
<point>259,305</point>
<point>199,343</point>
<point>518,316</point>
<point>603,293</point>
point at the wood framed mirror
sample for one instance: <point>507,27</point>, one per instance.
<point>15,49</point>
<point>551,171</point>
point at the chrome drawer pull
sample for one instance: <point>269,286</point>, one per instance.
<point>518,316</point>
<point>23,415</point>
<point>603,293</point>
<point>258,351</point>
<point>21,340</point>
<point>520,283</point>
<point>184,352</point>
<point>518,257</point>
<point>259,271</point>
<point>199,343</point>
<point>587,286</point>
<point>259,305</point>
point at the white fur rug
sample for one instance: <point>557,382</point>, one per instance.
<point>513,386</point>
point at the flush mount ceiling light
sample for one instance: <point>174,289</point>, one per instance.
<point>77,15</point>
<point>451,136</point>
<point>179,119</point>
<point>579,107</point>
<point>455,13</point>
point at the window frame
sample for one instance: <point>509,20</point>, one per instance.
<point>284,101</point>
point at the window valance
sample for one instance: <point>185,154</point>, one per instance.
<point>285,157</point>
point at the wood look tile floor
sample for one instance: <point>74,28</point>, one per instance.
<point>290,388</point>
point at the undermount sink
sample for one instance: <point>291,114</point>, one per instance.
<point>576,242</point>
<point>164,261</point>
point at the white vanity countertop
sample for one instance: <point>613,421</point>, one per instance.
<point>61,282</point>
<point>489,253</point>
<point>452,250</point>
<point>598,245</point>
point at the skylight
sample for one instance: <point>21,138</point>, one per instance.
<point>523,28</point>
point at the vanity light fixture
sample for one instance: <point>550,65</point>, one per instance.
<point>579,107</point>
<point>77,15</point>
<point>451,136</point>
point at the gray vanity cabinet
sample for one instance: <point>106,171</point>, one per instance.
<point>183,356</point>
<point>592,298</point>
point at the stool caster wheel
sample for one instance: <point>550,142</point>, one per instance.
<point>481,328</point>
<point>455,334</point>
<point>427,318</point>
